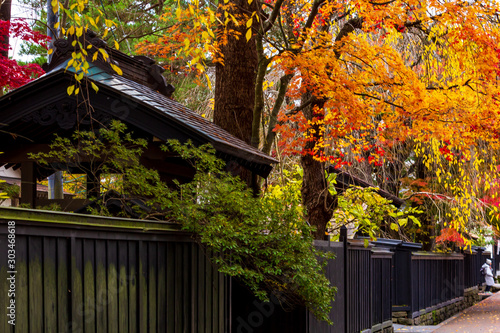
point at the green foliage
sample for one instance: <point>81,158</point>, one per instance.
<point>371,213</point>
<point>8,191</point>
<point>265,242</point>
<point>53,207</point>
<point>485,236</point>
<point>290,185</point>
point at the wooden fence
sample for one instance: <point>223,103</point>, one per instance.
<point>362,276</point>
<point>372,282</point>
<point>94,274</point>
<point>435,280</point>
<point>472,261</point>
<point>78,273</point>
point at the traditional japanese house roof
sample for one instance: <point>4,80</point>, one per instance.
<point>139,98</point>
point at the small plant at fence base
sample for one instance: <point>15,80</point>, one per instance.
<point>265,242</point>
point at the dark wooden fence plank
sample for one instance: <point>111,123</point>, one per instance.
<point>112,286</point>
<point>22,284</point>
<point>89,295</point>
<point>132,280</point>
<point>194,287</point>
<point>208,296</point>
<point>123,300</point>
<point>201,294</point>
<point>186,288</point>
<point>77,306</point>
<point>143,287</point>
<point>153,289</point>
<point>63,310</point>
<point>170,290</point>
<point>215,299</point>
<point>101,287</point>
<point>4,285</point>
<point>177,259</point>
<point>221,295</point>
<point>162,284</point>
<point>35,275</point>
<point>49,284</point>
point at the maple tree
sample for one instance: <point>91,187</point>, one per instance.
<point>351,82</point>
<point>14,74</point>
<point>361,77</point>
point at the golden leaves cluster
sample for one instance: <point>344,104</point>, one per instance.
<point>420,71</point>
<point>79,23</point>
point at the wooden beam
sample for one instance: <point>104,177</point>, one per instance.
<point>28,184</point>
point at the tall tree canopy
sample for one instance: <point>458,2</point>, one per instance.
<point>395,91</point>
<point>357,78</point>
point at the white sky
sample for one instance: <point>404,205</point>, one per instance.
<point>20,11</point>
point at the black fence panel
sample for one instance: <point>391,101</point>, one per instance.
<point>470,269</point>
<point>401,295</point>
<point>381,286</point>
<point>435,279</point>
<point>359,268</point>
<point>101,276</point>
<point>335,270</point>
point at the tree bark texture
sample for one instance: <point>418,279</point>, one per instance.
<point>318,201</point>
<point>5,6</point>
<point>235,83</point>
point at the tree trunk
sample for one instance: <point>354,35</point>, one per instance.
<point>235,83</point>
<point>318,201</point>
<point>5,16</point>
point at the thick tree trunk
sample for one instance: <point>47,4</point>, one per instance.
<point>5,6</point>
<point>318,201</point>
<point>235,84</point>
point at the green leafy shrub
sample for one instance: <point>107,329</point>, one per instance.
<point>264,242</point>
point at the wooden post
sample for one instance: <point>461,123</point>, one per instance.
<point>56,185</point>
<point>343,238</point>
<point>28,184</point>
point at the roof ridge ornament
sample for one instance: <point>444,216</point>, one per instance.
<point>140,69</point>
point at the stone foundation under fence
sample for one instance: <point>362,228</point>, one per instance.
<point>438,313</point>
<point>385,327</point>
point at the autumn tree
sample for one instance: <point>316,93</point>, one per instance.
<point>413,76</point>
<point>400,70</point>
<point>14,74</point>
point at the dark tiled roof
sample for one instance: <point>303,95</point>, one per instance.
<point>142,83</point>
<point>172,111</point>
<point>175,111</point>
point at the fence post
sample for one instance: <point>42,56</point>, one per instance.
<point>343,238</point>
